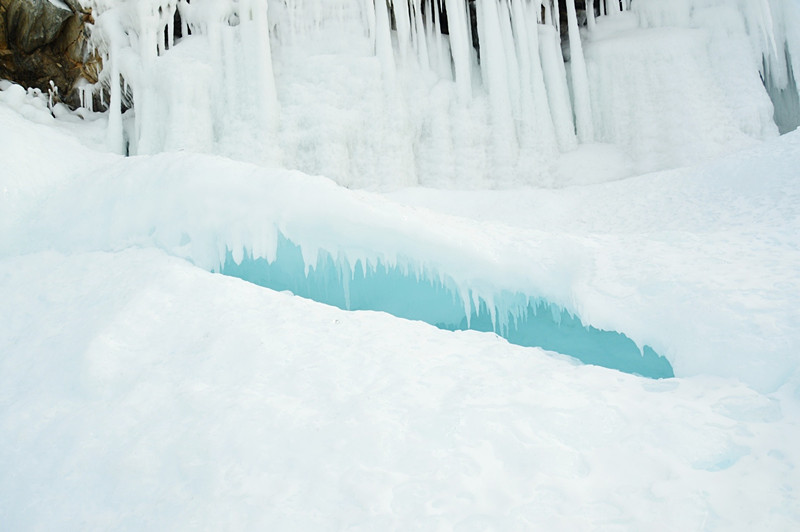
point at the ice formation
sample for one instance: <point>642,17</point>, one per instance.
<point>390,94</point>
<point>406,290</point>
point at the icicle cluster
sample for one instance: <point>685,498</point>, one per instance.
<point>396,92</point>
<point>189,96</point>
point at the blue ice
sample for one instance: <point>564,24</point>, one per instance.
<point>407,292</point>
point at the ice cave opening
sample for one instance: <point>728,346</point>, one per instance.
<point>410,292</point>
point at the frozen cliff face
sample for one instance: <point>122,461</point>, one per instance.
<point>765,32</point>
<point>395,94</point>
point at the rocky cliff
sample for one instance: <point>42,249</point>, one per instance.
<point>44,44</point>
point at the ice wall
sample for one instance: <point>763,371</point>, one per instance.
<point>761,34</point>
<point>390,94</point>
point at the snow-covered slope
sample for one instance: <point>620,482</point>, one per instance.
<point>138,391</point>
<point>699,264</point>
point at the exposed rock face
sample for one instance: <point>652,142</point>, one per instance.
<point>43,41</point>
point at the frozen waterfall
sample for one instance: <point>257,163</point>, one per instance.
<point>446,93</point>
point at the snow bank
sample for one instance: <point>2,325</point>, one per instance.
<point>137,391</point>
<point>681,281</point>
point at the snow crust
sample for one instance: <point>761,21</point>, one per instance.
<point>328,87</point>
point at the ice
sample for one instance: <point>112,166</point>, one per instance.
<point>460,47</point>
<point>434,101</point>
<point>137,390</point>
<point>408,291</point>
<point>671,110</point>
<point>580,81</point>
<point>770,26</point>
<point>557,90</point>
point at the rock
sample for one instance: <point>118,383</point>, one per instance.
<point>31,24</point>
<point>41,42</point>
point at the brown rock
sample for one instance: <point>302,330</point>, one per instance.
<point>41,42</point>
<point>31,24</point>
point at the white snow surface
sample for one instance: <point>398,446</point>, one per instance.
<point>138,391</point>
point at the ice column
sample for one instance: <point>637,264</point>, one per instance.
<point>538,121</point>
<point>254,25</point>
<point>403,24</point>
<point>494,69</point>
<point>441,63</point>
<point>148,115</point>
<point>116,139</point>
<point>383,44</point>
<point>580,79</point>
<point>555,78</point>
<point>460,47</point>
<point>421,37</point>
<point>590,21</point>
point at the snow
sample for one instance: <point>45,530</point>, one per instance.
<point>139,391</point>
<point>675,261</point>
<point>59,4</point>
<point>142,388</point>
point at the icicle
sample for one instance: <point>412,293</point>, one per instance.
<point>495,76</point>
<point>580,79</point>
<point>369,14</point>
<point>383,44</point>
<point>590,21</point>
<point>431,27</point>
<point>171,28</point>
<point>533,91</point>
<point>255,37</point>
<point>460,47</point>
<point>443,65</point>
<point>556,16</point>
<point>401,18</point>
<point>512,63</point>
<point>495,71</point>
<point>421,37</point>
<point>116,140</point>
<point>184,18</point>
<point>555,78</point>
